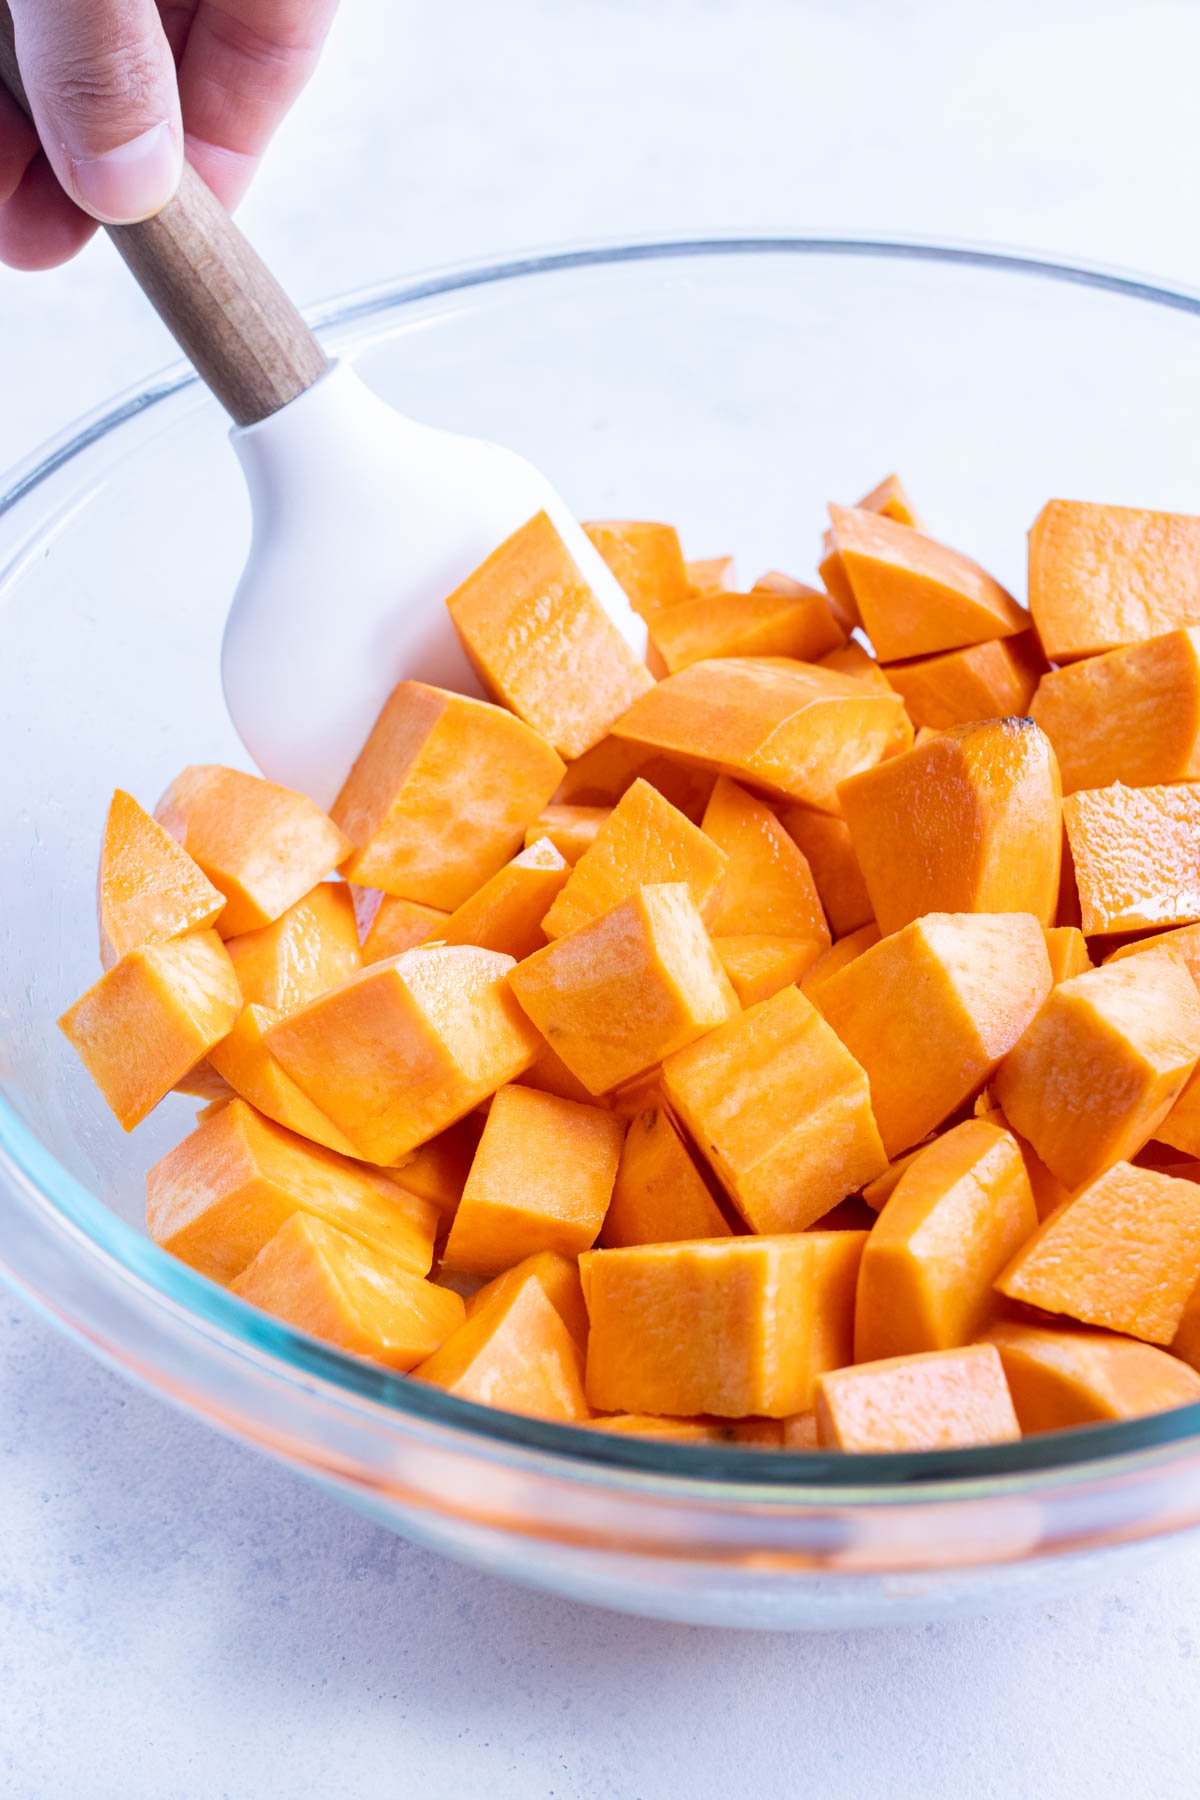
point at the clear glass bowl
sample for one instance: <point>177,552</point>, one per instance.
<point>731,386</point>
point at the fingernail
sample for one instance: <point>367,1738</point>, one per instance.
<point>132,182</point>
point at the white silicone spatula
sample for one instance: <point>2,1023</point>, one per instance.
<point>364,521</point>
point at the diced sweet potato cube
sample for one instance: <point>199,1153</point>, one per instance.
<point>829,851</point>
<point>1067,949</point>
<point>793,730</point>
<point>878,1192</point>
<point>608,771</point>
<point>1123,1253</point>
<point>711,575</point>
<point>1104,576</point>
<point>992,680</point>
<point>616,996</point>
<point>220,1195</point>
<point>515,1353</point>
<point>889,499</point>
<point>571,829</point>
<point>203,1083</point>
<point>768,887</point>
<point>915,596</point>
<point>1181,1127</point>
<point>852,659</point>
<point>550,1075</point>
<point>243,1061</point>
<point>1060,1378</point>
<point>398,925</point>
<point>507,912</point>
<point>837,585</point>
<point>315,1277</point>
<point>781,1111</point>
<point>644,840</point>
<point>542,1179</point>
<point>930,1012</point>
<point>143,1025</point>
<point>646,559</point>
<point>759,965</point>
<point>263,846</point>
<point>971,822</point>
<point>1047,1190</point>
<point>1136,853</point>
<point>1102,1065</point>
<point>542,643</point>
<point>558,1277</point>
<point>741,1326</point>
<point>1132,715</point>
<point>660,1195</point>
<point>438,1170</point>
<point>958,1213</point>
<point>310,947</point>
<point>763,624</point>
<point>148,888</point>
<point>1182,943</point>
<point>441,795</point>
<point>400,1052</point>
<point>934,1401</point>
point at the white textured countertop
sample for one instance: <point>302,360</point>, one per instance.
<point>178,1616</point>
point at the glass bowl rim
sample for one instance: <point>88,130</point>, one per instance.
<point>117,1249</point>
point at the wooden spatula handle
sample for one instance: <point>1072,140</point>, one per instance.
<point>220,302</point>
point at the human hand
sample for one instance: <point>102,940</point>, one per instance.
<point>119,89</point>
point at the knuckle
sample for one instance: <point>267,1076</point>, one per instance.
<point>114,83</point>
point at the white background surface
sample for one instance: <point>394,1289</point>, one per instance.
<point>179,1618</point>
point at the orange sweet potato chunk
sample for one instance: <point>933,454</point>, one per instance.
<point>644,840</point>
<point>243,1061</point>
<point>915,596</point>
<point>438,1170</point>
<point>793,730</point>
<point>711,575</point>
<point>768,887</point>
<point>542,1179</point>
<point>934,1401</point>
<point>315,1277</point>
<point>1181,1127</point>
<point>1182,943</point>
<point>878,1192</point>
<point>889,499</point>
<point>398,1053</point>
<point>263,846</point>
<point>441,795</point>
<point>616,996</point>
<point>993,680</point>
<point>1132,715</point>
<point>930,1012</point>
<point>1136,853</point>
<point>969,822</point>
<point>1102,1064</point>
<point>542,643</point>
<point>796,625</point>
<point>646,559</point>
<point>605,773</point>
<point>1064,1377</point>
<point>310,947</point>
<point>1122,1253</point>
<point>571,829</point>
<point>148,888</point>
<point>1104,576</point>
<point>781,1111</point>
<point>151,1018</point>
<point>514,1353</point>
<point>221,1194</point>
<point>829,851</point>
<point>398,925</point>
<point>558,1277</point>
<point>759,965</point>
<point>1067,949</point>
<point>957,1215</point>
<point>731,1328</point>
<point>660,1196</point>
<point>507,912</point>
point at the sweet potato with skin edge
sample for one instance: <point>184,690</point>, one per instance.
<point>659,1196</point>
<point>558,1277</point>
<point>441,795</point>
<point>732,1328</point>
<point>768,887</point>
<point>262,845</point>
<point>780,1110</point>
<point>542,1179</point>
<point>310,947</point>
<point>1101,577</point>
<point>930,1012</point>
<point>644,840</point>
<point>958,1213</point>
<point>148,889</point>
<point>971,822</point>
<point>993,680</point>
<point>515,1353</point>
<point>1064,1377</point>
<point>616,996</point>
<point>756,624</point>
<point>793,731</point>
<point>312,1276</point>
<point>1136,855</point>
<point>1102,1065</point>
<point>542,643</point>
<point>935,1401</point>
<point>151,1018</point>
<point>646,559</point>
<point>1132,715</point>
<point>506,913</point>
<point>829,851</point>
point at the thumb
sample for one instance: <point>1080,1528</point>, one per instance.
<point>102,90</point>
